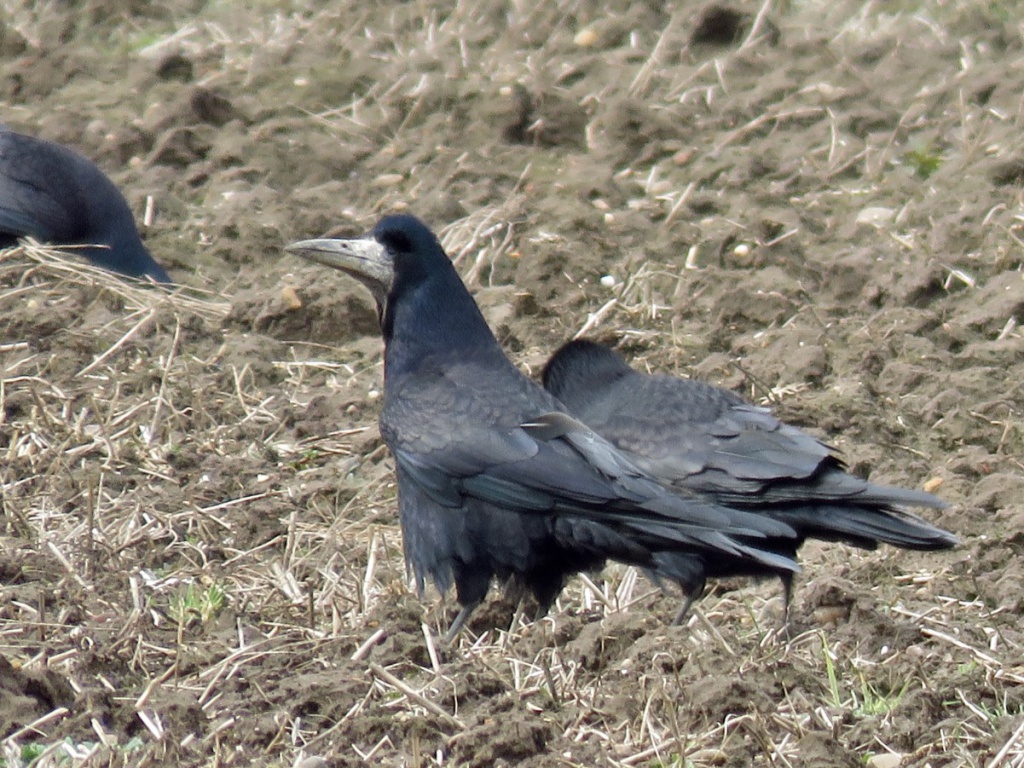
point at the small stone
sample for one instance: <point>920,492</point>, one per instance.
<point>291,297</point>
<point>876,216</point>
<point>586,38</point>
<point>886,760</point>
<point>388,179</point>
<point>608,281</point>
<point>932,484</point>
<point>683,156</point>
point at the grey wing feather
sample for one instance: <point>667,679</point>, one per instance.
<point>708,440</point>
<point>697,428</point>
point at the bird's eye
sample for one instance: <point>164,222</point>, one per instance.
<point>396,242</point>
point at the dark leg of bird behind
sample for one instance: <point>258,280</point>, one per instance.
<point>520,590</point>
<point>787,600</point>
<point>691,593</point>
<point>545,588</point>
<point>460,621</point>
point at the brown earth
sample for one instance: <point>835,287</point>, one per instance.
<point>820,207</point>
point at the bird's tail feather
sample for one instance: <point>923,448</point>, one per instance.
<point>866,526</point>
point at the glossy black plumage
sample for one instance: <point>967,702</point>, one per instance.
<point>708,440</point>
<point>495,480</point>
<point>55,195</point>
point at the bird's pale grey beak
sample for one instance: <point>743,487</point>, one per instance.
<point>363,258</point>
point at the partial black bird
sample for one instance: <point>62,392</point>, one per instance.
<point>707,440</point>
<point>55,195</point>
<point>495,480</point>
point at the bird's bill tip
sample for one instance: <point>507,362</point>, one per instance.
<point>340,254</point>
<point>321,245</point>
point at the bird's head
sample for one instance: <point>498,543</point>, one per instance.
<point>400,259</point>
<point>398,252</point>
<point>123,251</point>
<point>582,366</point>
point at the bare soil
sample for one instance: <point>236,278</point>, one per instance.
<point>816,204</point>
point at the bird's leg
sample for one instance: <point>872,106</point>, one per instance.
<point>787,598</point>
<point>683,610</point>
<point>460,621</point>
<point>541,612</point>
<point>690,596</point>
<point>517,615</point>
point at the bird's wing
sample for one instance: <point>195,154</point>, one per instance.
<point>742,453</point>
<point>747,455</point>
<point>709,441</point>
<point>698,435</point>
<point>454,446</point>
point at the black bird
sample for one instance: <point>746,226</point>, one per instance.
<point>55,195</point>
<point>707,440</point>
<point>495,480</point>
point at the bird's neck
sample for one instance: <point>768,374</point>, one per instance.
<point>435,321</point>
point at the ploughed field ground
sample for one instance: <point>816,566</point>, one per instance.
<point>816,204</point>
